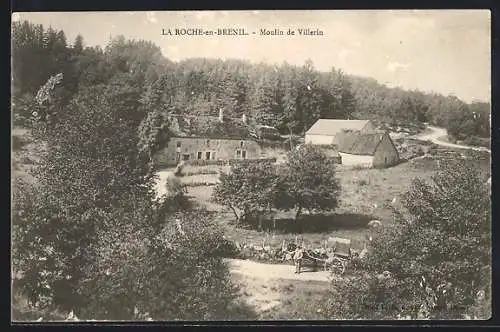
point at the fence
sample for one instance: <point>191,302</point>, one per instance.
<point>230,162</point>
<point>273,253</point>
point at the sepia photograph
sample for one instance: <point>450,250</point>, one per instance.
<point>258,165</point>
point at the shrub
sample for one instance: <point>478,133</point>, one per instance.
<point>180,261</point>
<point>199,171</point>
<point>437,253</point>
<point>362,182</point>
<point>90,236</point>
<point>478,141</point>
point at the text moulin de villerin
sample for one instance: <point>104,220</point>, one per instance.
<point>240,32</point>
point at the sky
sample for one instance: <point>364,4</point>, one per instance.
<point>443,51</point>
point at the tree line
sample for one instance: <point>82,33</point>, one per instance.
<point>290,98</point>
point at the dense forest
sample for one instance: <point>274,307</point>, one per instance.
<point>290,98</point>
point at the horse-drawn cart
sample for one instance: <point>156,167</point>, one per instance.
<point>333,257</point>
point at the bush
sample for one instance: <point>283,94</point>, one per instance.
<point>362,182</point>
<point>181,261</point>
<point>17,143</point>
<point>478,141</point>
<point>90,237</point>
<point>227,249</point>
<point>282,144</point>
<point>22,311</point>
<point>364,297</point>
<point>199,171</point>
<point>436,254</point>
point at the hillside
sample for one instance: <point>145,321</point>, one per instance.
<point>290,98</point>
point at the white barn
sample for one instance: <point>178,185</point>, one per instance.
<point>324,131</point>
<point>357,141</point>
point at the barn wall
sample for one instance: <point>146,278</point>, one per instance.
<point>224,149</point>
<point>318,139</point>
<point>356,160</point>
<point>386,154</point>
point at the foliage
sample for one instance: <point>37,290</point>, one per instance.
<point>290,98</point>
<point>309,181</point>
<point>248,189</point>
<point>93,206</point>
<point>175,273</point>
<point>175,198</point>
<point>478,141</point>
<point>438,254</point>
<point>364,297</point>
<point>470,120</point>
<point>89,235</point>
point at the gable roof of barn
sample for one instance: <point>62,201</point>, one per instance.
<point>332,127</point>
<point>355,142</point>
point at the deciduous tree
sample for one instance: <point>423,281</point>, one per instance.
<point>310,181</point>
<point>249,189</point>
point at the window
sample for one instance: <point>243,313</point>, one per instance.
<point>185,157</point>
<point>179,144</point>
<point>207,155</point>
<point>238,154</point>
<point>199,155</point>
<point>244,154</point>
<point>241,144</point>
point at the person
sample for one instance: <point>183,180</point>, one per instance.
<point>297,258</point>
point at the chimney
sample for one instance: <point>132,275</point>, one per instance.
<point>221,115</point>
<point>244,118</point>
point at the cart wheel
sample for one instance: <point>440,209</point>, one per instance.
<point>336,266</point>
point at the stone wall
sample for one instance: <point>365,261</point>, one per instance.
<point>198,148</point>
<point>386,154</point>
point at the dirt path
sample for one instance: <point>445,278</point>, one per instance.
<point>274,271</point>
<point>274,289</point>
<point>437,132</point>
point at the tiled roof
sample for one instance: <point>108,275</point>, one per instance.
<point>355,142</point>
<point>208,126</point>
